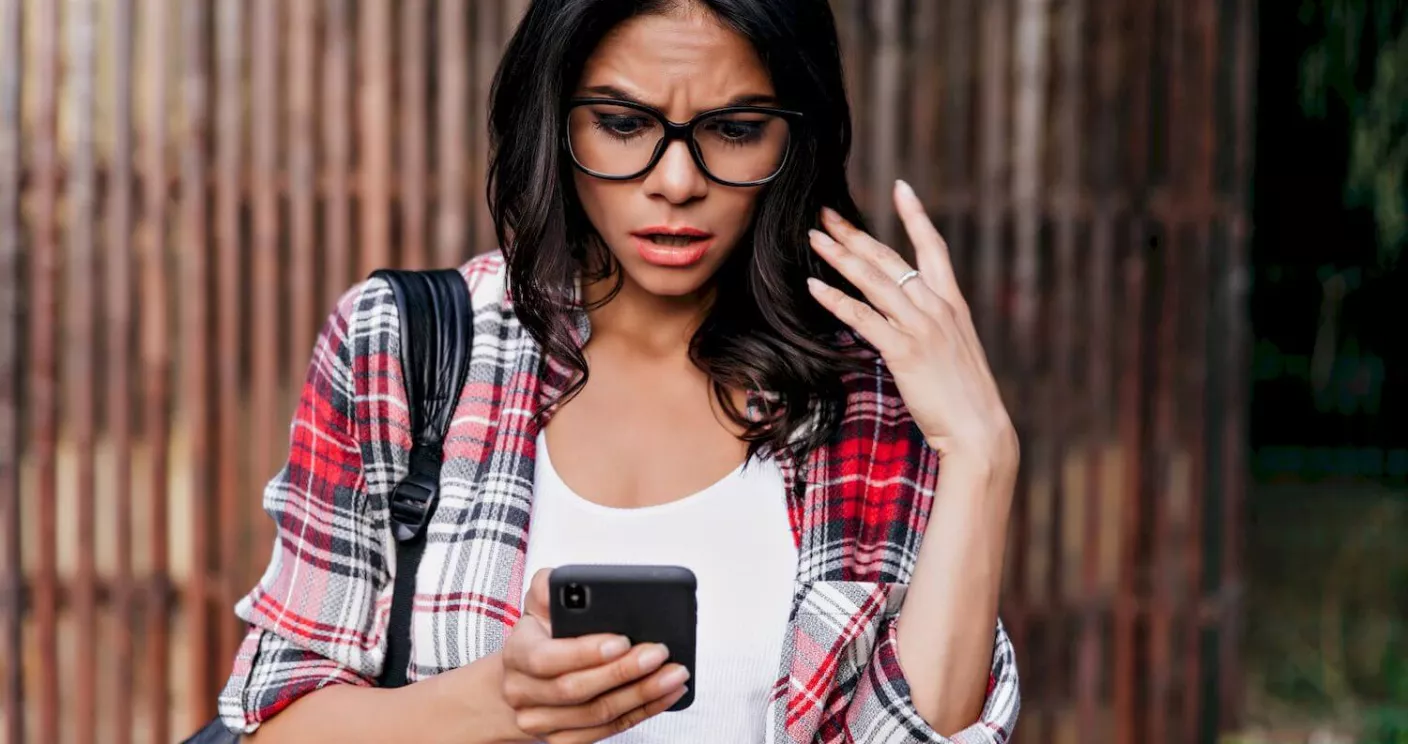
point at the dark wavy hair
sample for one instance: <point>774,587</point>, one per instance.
<point>763,331</point>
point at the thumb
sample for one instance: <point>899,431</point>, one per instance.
<point>538,596</point>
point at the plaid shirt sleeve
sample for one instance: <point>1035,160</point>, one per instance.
<point>881,709</point>
<point>316,616</point>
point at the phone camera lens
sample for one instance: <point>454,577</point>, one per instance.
<point>574,597</point>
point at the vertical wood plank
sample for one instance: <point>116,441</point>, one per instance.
<point>43,366</point>
<point>337,144</point>
<point>415,15</point>
<point>266,43</point>
<point>195,357</point>
<point>486,57</point>
<point>1235,351</point>
<point>452,151</point>
<point>156,367</point>
<point>81,317</point>
<point>1076,447</point>
<point>884,110</point>
<point>992,172</point>
<point>958,100</point>
<point>302,177</point>
<point>926,78</point>
<point>850,28</point>
<point>11,559</point>
<point>1202,69</point>
<point>374,98</point>
<point>1166,454</point>
<point>955,171</point>
<point>512,16</point>
<point>118,334</point>
<point>231,495</point>
<point>1128,713</point>
<point>1031,48</point>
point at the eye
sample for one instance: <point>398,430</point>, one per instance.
<point>736,130</point>
<point>623,126</point>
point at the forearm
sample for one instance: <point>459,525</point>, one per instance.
<point>945,632</point>
<point>458,707</point>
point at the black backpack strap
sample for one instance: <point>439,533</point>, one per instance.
<point>437,333</point>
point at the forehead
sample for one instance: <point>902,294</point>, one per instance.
<point>682,61</point>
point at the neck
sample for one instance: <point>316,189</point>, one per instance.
<point>651,324</point>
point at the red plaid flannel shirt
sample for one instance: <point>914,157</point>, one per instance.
<point>319,615</point>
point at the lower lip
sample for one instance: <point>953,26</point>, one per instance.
<point>672,256</point>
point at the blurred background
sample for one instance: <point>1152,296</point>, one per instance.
<point>1180,222</point>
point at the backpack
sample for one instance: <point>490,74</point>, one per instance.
<point>437,334</point>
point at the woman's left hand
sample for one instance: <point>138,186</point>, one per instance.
<point>923,330</point>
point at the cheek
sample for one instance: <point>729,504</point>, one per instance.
<point>595,202</point>
<point>738,208</point>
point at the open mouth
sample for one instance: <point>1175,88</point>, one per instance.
<point>672,246</point>
<point>674,241</point>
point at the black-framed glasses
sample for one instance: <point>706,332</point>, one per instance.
<point>734,145</point>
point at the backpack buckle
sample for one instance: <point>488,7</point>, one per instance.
<point>413,500</point>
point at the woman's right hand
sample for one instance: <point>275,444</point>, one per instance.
<point>580,690</point>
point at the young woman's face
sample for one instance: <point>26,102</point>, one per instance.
<point>672,227</point>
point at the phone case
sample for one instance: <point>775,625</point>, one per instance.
<point>647,604</point>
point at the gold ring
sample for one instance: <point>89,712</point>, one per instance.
<point>912,273</point>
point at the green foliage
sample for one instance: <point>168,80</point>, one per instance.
<point>1361,63</point>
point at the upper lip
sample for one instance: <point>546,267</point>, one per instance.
<point>682,230</point>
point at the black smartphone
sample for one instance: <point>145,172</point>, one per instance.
<point>646,604</point>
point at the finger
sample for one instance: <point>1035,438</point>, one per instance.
<point>581,685</point>
<point>864,319</point>
<point>538,600</point>
<point>531,651</point>
<point>930,249</point>
<point>606,709</point>
<point>876,283</point>
<point>622,724</point>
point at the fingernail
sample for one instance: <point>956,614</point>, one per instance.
<point>816,285</point>
<point>674,678</point>
<point>614,647</point>
<point>653,657</point>
<point>820,238</point>
<point>829,213</point>
<point>905,189</point>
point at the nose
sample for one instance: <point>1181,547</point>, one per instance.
<point>676,177</point>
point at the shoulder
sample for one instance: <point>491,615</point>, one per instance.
<point>871,396</point>
<point>487,275</point>
<point>364,327</point>
<point>877,435</point>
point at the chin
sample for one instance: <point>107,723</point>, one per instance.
<point>668,282</point>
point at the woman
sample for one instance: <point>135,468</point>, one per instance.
<point>728,374</point>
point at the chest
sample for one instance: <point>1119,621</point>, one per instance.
<point>639,439</point>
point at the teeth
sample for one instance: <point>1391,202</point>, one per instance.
<point>672,240</point>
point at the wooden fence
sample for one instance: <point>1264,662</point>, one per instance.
<point>186,185</point>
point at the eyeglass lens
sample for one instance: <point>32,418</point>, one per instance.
<point>619,141</point>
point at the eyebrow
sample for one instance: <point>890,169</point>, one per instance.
<point>747,99</point>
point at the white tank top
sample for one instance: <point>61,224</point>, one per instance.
<point>736,537</point>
